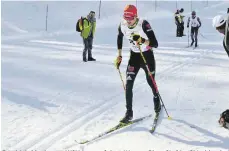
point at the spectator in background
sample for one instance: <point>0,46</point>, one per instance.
<point>179,22</point>
<point>87,28</point>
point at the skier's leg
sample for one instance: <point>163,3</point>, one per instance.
<point>192,35</point>
<point>149,56</point>
<point>131,73</point>
<point>196,36</point>
<point>152,66</point>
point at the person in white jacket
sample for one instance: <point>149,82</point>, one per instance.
<point>221,24</point>
<point>195,25</point>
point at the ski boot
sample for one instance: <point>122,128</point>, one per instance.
<point>157,104</point>
<point>128,117</point>
<point>196,45</point>
<point>91,59</point>
<point>84,59</point>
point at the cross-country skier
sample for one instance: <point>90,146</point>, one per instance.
<point>222,26</point>
<point>137,31</point>
<point>195,25</point>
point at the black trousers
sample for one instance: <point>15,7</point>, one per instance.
<point>180,30</point>
<point>194,34</point>
<point>87,47</point>
<point>178,34</point>
<point>135,63</point>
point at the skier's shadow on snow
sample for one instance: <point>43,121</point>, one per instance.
<point>222,143</point>
<point>27,100</point>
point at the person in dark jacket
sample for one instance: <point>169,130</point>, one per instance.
<point>179,17</point>
<point>224,119</point>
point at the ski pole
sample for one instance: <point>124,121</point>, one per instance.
<point>202,35</point>
<point>153,81</point>
<point>188,36</point>
<point>120,74</point>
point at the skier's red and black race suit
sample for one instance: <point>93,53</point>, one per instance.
<point>136,62</point>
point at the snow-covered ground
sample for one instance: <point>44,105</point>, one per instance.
<point>50,98</point>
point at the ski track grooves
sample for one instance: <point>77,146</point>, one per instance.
<point>46,141</point>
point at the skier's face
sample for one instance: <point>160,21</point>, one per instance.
<point>193,16</point>
<point>130,20</point>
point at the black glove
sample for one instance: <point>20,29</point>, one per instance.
<point>138,38</point>
<point>187,26</point>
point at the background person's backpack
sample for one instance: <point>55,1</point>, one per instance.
<point>80,21</point>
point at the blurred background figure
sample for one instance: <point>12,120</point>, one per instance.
<point>179,22</point>
<point>87,28</point>
<point>221,24</point>
<point>195,25</point>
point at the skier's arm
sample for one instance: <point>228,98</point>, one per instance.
<point>198,19</point>
<point>119,41</point>
<point>152,41</point>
